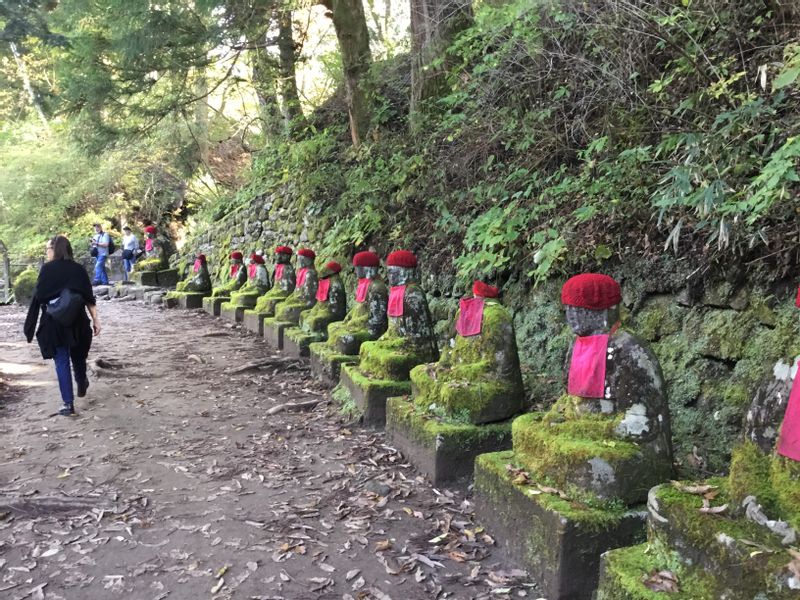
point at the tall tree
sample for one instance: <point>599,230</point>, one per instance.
<point>350,24</point>
<point>434,25</point>
<point>287,51</point>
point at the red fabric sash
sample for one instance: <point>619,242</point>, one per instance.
<point>197,264</point>
<point>322,289</point>
<point>251,271</point>
<point>148,245</point>
<point>362,289</point>
<point>396,296</point>
<point>470,316</point>
<point>279,272</point>
<point>235,270</point>
<point>587,370</point>
<point>789,441</point>
<point>301,276</point>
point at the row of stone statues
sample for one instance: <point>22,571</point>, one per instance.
<point>562,486</point>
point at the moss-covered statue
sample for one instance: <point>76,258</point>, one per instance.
<point>304,296</point>
<point>384,365</point>
<point>200,281</point>
<point>237,276</point>
<point>366,321</point>
<point>478,377</point>
<point>736,537</point>
<point>582,465</point>
<point>285,282</point>
<point>257,284</point>
<point>156,252</point>
<point>331,306</point>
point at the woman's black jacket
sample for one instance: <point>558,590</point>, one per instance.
<point>54,276</point>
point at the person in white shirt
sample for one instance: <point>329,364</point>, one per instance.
<point>130,248</point>
<point>100,242</point>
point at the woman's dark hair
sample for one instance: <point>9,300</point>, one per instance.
<point>62,249</point>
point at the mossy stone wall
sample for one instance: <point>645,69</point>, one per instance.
<point>715,336</point>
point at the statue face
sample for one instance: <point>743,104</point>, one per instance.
<point>304,262</point>
<point>401,275</point>
<point>282,258</point>
<point>584,321</point>
<point>366,272</point>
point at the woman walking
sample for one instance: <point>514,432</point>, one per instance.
<point>61,342</point>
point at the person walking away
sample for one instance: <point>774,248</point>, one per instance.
<point>63,343</point>
<point>130,248</point>
<point>100,241</point>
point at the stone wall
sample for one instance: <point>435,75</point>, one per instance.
<point>716,338</point>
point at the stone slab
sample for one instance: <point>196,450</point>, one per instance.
<point>254,321</point>
<point>370,395</point>
<point>559,542</point>
<point>327,369</point>
<point>145,278</point>
<point>231,313</point>
<point>296,345</point>
<point>273,333</point>
<point>170,301</point>
<point>444,452</point>
<point>191,300</point>
<point>212,304</point>
<point>168,278</point>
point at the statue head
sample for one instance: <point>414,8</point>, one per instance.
<point>150,231</point>
<point>305,258</point>
<point>366,265</point>
<point>484,290</point>
<point>236,257</point>
<point>591,302</point>
<point>331,268</point>
<point>401,267</point>
<point>256,259</point>
<point>283,255</point>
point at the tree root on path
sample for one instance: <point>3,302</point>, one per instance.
<point>272,362</point>
<point>290,406</point>
<point>51,504</point>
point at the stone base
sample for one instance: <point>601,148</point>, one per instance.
<point>273,332</point>
<point>192,300</point>
<point>445,452</point>
<point>296,342</point>
<point>167,278</point>
<point>254,321</point>
<point>231,313</point>
<point>370,395</point>
<point>558,541</point>
<point>170,301</point>
<point>327,367</point>
<point>212,304</point>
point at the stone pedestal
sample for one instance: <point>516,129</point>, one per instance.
<point>296,342</point>
<point>444,452</point>
<point>254,321</point>
<point>170,301</point>
<point>559,541</point>
<point>326,364</point>
<point>370,395</point>
<point>192,300</point>
<point>212,304</point>
<point>167,278</point>
<point>273,332</point>
<point>231,312</point>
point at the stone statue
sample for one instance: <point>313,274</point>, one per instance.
<point>237,276</point>
<point>304,295</point>
<point>331,304</point>
<point>409,339</point>
<point>478,378</point>
<point>285,280</point>
<point>156,256</point>
<point>257,283</point>
<point>201,281</point>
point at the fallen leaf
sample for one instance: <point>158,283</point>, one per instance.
<point>383,545</point>
<point>662,581</point>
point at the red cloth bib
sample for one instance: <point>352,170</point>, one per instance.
<point>148,245</point>
<point>197,264</point>
<point>322,289</point>
<point>251,270</point>
<point>279,272</point>
<point>789,441</point>
<point>587,370</point>
<point>362,289</point>
<point>396,296</point>
<point>235,270</point>
<point>470,316</point>
<point>301,277</point>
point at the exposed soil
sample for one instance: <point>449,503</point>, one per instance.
<point>174,482</point>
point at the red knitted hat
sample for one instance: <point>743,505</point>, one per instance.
<point>366,259</point>
<point>401,258</point>
<point>594,291</point>
<point>201,257</point>
<point>150,229</point>
<point>257,258</point>
<point>283,250</point>
<point>484,290</point>
<point>797,300</point>
<point>236,255</point>
<point>307,252</point>
<point>333,267</point>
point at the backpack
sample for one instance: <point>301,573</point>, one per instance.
<point>112,247</point>
<point>66,307</point>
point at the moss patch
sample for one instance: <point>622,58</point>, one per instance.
<point>390,357</point>
<point>24,284</point>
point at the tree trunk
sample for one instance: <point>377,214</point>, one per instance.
<point>290,107</point>
<point>201,113</point>
<point>26,83</point>
<point>350,24</point>
<point>434,26</point>
<point>264,80</point>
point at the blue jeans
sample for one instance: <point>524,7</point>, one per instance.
<point>100,275</point>
<point>62,359</point>
<point>127,263</point>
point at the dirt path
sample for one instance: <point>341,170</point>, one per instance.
<point>174,482</point>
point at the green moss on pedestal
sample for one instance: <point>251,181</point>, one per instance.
<point>267,303</point>
<point>390,358</point>
<point>154,263</point>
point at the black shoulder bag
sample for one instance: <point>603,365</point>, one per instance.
<point>66,307</point>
